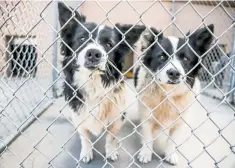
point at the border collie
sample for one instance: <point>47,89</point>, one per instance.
<point>166,81</point>
<point>94,86</point>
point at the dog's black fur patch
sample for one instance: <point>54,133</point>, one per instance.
<point>70,90</point>
<point>72,29</point>
<point>123,116</point>
<point>136,74</point>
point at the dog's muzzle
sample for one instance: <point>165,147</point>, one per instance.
<point>93,58</point>
<point>174,76</point>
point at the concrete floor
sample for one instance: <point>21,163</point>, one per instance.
<point>52,142</point>
<point>28,93</point>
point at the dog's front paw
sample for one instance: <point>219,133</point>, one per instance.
<point>111,151</point>
<point>113,157</point>
<point>145,155</point>
<point>86,156</point>
<point>172,159</point>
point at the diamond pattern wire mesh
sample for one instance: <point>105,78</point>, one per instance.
<point>27,80</point>
<point>25,71</point>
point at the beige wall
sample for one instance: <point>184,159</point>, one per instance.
<point>156,15</point>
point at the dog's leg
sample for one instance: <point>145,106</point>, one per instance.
<point>170,152</point>
<point>146,151</point>
<point>86,154</point>
<point>111,146</point>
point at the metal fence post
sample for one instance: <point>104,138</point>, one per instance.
<point>54,51</point>
<point>232,73</point>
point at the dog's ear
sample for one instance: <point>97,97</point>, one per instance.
<point>132,33</point>
<point>187,34</point>
<point>148,37</point>
<point>68,19</point>
<point>68,16</point>
<point>202,38</point>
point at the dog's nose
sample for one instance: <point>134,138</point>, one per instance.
<point>173,74</point>
<point>93,55</point>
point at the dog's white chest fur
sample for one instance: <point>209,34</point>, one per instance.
<point>99,109</point>
<point>90,83</point>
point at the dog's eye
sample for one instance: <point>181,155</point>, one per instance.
<point>82,39</point>
<point>109,45</point>
<point>163,57</point>
<point>186,59</point>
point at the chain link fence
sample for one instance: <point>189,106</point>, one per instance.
<point>26,71</point>
<point>36,128</point>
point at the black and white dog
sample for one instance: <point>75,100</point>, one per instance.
<point>94,87</point>
<point>166,81</point>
